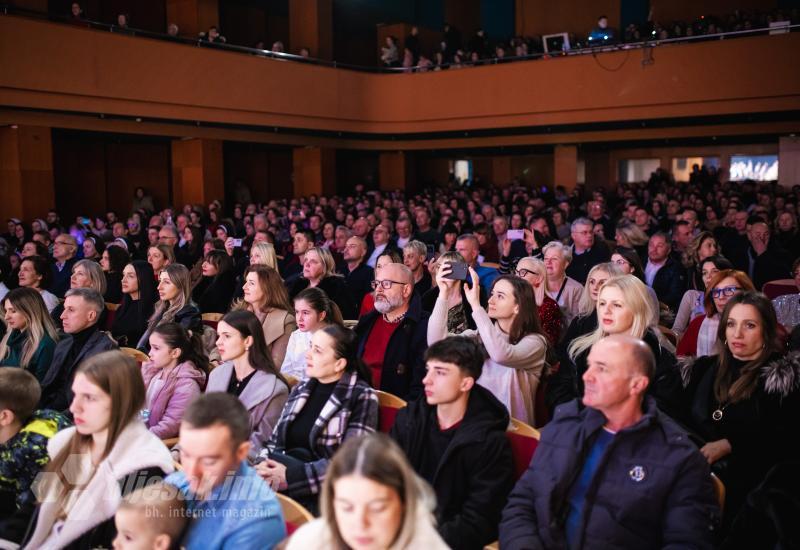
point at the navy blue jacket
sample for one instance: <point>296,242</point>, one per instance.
<point>670,283</point>
<point>403,362</point>
<point>60,284</point>
<point>652,488</point>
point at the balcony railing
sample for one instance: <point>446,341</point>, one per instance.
<point>200,42</point>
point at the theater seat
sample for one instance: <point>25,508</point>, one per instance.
<point>523,440</point>
<point>212,319</point>
<point>140,356</point>
<point>294,514</point>
<point>779,287</point>
<point>389,405</point>
<point>719,492</point>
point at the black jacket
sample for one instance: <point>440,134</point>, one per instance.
<point>760,429</point>
<point>651,490</point>
<point>336,289</point>
<point>567,383</point>
<point>358,282</point>
<point>403,363</point>
<point>670,283</point>
<point>214,294</point>
<point>581,264</point>
<point>774,263</point>
<point>475,473</point>
<point>189,317</point>
<point>57,383</point>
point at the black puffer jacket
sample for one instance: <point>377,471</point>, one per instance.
<point>474,475</point>
<point>652,488</point>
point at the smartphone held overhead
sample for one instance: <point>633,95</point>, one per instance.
<point>458,271</point>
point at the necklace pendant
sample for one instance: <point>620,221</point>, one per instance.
<point>717,415</point>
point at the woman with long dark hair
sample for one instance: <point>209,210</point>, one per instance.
<point>113,261</point>
<point>138,301</point>
<point>334,404</point>
<point>509,329</point>
<point>742,405</point>
<point>214,291</point>
<point>249,373</point>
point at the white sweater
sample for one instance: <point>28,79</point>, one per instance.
<point>512,371</point>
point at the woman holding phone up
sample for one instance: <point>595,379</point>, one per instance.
<point>509,329</point>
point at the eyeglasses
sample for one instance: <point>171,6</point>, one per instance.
<point>725,291</point>
<point>386,284</point>
<point>525,272</point>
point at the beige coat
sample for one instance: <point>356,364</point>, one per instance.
<point>278,325</point>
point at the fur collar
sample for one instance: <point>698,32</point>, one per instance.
<point>782,376</point>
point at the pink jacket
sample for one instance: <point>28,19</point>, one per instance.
<point>167,406</point>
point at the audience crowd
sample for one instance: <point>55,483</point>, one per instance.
<point>207,363</point>
<point>454,50</point>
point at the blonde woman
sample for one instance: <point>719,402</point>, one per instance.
<point>174,305</point>
<point>319,270</point>
<point>31,337</point>
<point>85,274</point>
<point>586,320</point>
<point>550,316</point>
<point>265,296</point>
<point>262,253</point>
<point>371,498</point>
<point>630,235</point>
<point>623,307</point>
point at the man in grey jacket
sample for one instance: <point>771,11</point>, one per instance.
<point>615,474</point>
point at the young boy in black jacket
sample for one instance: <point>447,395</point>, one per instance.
<point>455,439</point>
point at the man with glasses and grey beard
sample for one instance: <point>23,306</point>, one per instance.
<point>393,336</point>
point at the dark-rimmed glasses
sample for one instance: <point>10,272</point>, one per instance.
<point>386,284</point>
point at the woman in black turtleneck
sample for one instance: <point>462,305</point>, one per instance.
<point>139,297</point>
<point>742,405</point>
<point>214,291</point>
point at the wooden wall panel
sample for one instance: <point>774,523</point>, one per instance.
<point>63,67</point>
<point>130,165</point>
<point>540,17</point>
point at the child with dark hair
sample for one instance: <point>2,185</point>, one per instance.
<point>24,433</point>
<point>175,374</point>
